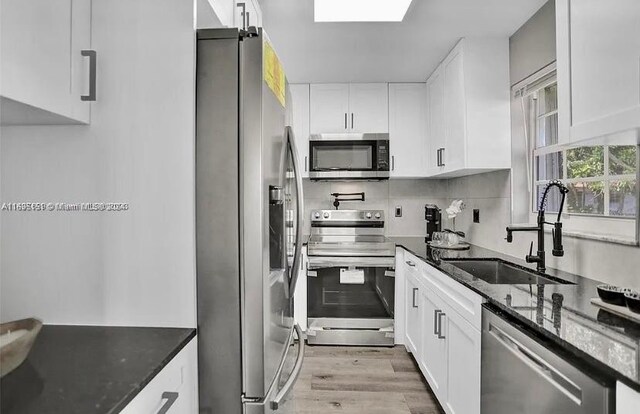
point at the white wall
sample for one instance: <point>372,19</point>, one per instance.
<point>533,46</point>
<point>115,268</point>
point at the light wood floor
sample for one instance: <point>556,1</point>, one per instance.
<point>361,380</point>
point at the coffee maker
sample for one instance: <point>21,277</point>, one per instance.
<point>432,216</point>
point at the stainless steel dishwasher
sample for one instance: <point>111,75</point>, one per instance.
<point>522,375</point>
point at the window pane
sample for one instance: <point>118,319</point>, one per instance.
<point>622,159</point>
<point>549,166</point>
<point>548,99</point>
<point>547,131</point>
<point>586,198</point>
<point>553,199</point>
<point>623,198</point>
<point>585,162</point>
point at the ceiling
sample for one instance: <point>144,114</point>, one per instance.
<point>406,51</point>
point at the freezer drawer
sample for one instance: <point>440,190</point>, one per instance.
<point>521,375</point>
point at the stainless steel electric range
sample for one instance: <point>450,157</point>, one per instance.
<point>351,279</point>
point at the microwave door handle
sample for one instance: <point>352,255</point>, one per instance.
<point>299,209</point>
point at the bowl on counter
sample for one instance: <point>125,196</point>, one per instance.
<point>613,294</point>
<point>633,301</point>
<point>16,339</point>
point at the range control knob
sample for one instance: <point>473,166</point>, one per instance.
<point>316,215</point>
<point>368,214</point>
<point>378,215</point>
<point>326,214</point>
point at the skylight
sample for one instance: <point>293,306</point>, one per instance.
<point>360,10</point>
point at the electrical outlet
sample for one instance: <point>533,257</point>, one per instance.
<point>398,211</point>
<point>476,215</point>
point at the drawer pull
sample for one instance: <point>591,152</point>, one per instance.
<point>410,263</point>
<point>440,334</point>
<point>171,398</point>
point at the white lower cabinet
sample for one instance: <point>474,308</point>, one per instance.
<point>413,334</point>
<point>463,364</point>
<point>443,335</point>
<point>627,399</point>
<point>433,358</point>
<point>174,389</point>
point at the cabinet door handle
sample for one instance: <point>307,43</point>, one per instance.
<point>435,321</point>
<point>442,157</point>
<point>345,120</point>
<point>93,60</point>
<point>440,315</point>
<point>244,14</point>
<point>410,263</point>
<point>415,305</point>
<point>438,157</point>
<point>351,120</point>
<point>171,398</point>
<point>393,163</point>
<point>306,163</point>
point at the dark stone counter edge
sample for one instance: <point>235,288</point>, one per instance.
<point>581,358</point>
<point>140,386</point>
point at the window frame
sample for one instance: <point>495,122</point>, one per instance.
<point>617,229</point>
<point>607,178</point>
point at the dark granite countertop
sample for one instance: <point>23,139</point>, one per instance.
<point>564,316</point>
<point>88,369</point>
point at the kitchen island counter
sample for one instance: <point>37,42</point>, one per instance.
<point>89,369</point>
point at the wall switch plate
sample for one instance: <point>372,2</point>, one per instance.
<point>398,211</point>
<point>476,215</point>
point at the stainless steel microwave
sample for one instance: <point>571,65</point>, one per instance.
<point>349,157</point>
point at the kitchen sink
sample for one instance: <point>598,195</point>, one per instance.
<point>500,272</point>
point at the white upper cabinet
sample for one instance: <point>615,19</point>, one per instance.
<point>598,66</point>
<point>43,73</point>
<point>300,102</point>
<point>468,109</point>
<point>408,129</point>
<point>435,121</point>
<point>369,107</point>
<point>329,108</point>
<point>454,156</point>
<point>342,107</point>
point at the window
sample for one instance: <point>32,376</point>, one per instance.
<point>601,178</point>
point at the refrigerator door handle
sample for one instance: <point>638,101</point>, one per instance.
<point>288,385</point>
<point>300,208</point>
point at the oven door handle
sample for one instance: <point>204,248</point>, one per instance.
<point>321,262</point>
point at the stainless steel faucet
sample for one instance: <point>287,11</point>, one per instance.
<point>558,250</point>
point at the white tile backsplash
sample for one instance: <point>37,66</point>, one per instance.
<point>491,194</point>
<point>412,195</point>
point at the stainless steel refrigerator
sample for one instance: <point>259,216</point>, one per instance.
<point>248,224</point>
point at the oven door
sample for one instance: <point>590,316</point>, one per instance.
<point>351,300</point>
<point>354,159</point>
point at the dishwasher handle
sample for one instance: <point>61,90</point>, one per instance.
<point>537,363</point>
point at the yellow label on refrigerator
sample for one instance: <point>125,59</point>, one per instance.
<point>274,74</point>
